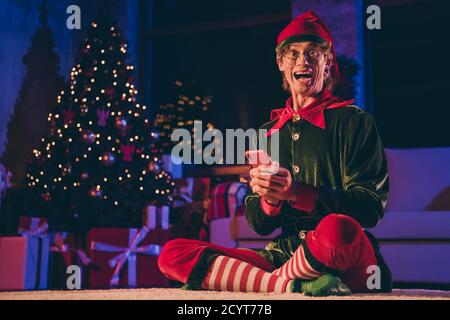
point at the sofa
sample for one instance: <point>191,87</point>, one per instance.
<point>414,234</point>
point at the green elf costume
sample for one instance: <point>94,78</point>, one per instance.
<point>337,162</point>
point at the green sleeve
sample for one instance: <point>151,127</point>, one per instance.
<point>364,174</point>
<point>260,222</point>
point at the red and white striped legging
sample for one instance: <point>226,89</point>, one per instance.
<point>338,243</point>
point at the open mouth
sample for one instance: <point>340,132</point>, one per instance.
<point>303,75</point>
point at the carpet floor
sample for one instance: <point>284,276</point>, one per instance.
<point>177,294</point>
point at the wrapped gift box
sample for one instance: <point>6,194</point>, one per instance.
<point>156,217</point>
<point>33,226</point>
<point>24,262</point>
<point>126,257</point>
<point>64,252</point>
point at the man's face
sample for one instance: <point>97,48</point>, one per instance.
<point>304,66</point>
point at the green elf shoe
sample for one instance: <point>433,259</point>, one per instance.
<point>325,285</point>
<point>190,287</point>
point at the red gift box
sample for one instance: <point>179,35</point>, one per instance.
<point>64,253</point>
<point>23,262</point>
<point>126,257</point>
<point>24,259</point>
<point>33,226</point>
<point>156,217</point>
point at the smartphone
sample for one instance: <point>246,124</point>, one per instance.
<point>258,157</point>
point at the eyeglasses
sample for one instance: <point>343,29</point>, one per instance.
<point>311,55</point>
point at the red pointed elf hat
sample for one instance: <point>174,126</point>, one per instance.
<point>308,27</point>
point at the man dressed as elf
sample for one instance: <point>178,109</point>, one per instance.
<point>331,183</point>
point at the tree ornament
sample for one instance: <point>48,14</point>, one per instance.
<point>127,151</point>
<point>5,179</point>
<point>121,123</point>
<point>96,192</point>
<point>84,109</point>
<point>88,137</point>
<point>110,92</point>
<point>108,159</point>
<point>67,169</point>
<point>155,135</point>
<point>84,175</point>
<point>153,166</point>
<point>68,115</point>
<point>47,197</point>
<point>102,117</point>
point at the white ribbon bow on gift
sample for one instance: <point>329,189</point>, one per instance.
<point>35,229</point>
<point>61,247</point>
<point>128,254</point>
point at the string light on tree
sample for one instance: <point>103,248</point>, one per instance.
<point>105,133</point>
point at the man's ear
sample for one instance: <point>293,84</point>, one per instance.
<point>329,62</point>
<point>280,64</point>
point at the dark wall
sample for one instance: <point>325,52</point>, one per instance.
<point>411,74</point>
<point>227,50</point>
<point>19,20</point>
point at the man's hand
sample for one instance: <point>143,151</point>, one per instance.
<point>273,183</point>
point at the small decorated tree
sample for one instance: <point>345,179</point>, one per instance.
<point>98,166</point>
<point>36,100</point>
<point>189,104</point>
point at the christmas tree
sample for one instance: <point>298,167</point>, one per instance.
<point>98,165</point>
<point>36,100</point>
<point>190,104</point>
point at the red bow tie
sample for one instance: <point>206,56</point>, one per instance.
<point>313,112</point>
